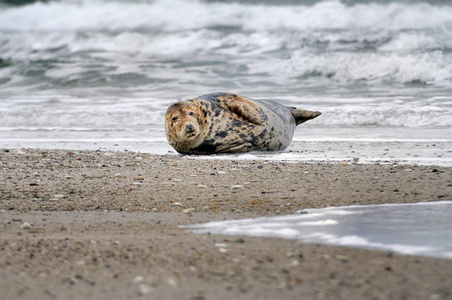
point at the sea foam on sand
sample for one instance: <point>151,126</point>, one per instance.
<point>414,229</point>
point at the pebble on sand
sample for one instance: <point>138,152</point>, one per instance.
<point>145,289</point>
<point>26,225</point>
<point>189,210</point>
<point>172,282</point>
<point>138,279</point>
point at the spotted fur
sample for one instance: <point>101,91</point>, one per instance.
<point>229,123</point>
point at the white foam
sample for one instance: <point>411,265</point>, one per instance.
<point>356,241</point>
<point>121,33</point>
<point>411,41</point>
<point>187,15</point>
<point>136,114</point>
<point>431,67</point>
<point>318,223</point>
<point>414,229</point>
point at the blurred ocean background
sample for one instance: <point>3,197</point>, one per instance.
<point>98,74</point>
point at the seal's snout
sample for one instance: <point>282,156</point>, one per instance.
<point>189,128</point>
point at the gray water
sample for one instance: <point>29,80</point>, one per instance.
<point>414,229</point>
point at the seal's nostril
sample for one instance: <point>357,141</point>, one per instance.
<point>189,128</point>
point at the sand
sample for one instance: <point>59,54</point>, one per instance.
<point>104,225</point>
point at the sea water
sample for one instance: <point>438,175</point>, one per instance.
<point>412,229</point>
<point>99,74</point>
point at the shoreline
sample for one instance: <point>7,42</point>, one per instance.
<point>105,225</point>
<point>433,152</point>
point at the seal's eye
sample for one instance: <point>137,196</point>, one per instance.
<point>174,119</point>
<point>191,113</point>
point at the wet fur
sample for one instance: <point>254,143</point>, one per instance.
<point>229,123</point>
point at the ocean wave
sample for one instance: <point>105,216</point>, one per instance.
<point>428,68</point>
<point>100,115</point>
<point>187,15</point>
<point>133,59</point>
<point>98,43</point>
<point>386,117</point>
<point>139,116</point>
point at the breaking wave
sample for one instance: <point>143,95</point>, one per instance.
<point>175,15</point>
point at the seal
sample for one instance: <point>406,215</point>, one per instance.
<point>230,123</point>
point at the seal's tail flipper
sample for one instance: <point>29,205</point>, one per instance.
<point>301,115</point>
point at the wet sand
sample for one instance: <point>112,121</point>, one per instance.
<point>104,225</point>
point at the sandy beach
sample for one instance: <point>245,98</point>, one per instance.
<point>104,225</point>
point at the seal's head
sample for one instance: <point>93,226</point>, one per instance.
<point>184,123</point>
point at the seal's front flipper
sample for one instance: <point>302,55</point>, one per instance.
<point>233,145</point>
<point>301,115</point>
<point>242,106</point>
<point>238,149</point>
